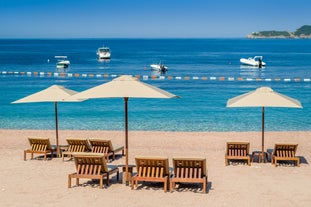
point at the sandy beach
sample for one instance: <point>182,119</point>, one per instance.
<point>44,183</point>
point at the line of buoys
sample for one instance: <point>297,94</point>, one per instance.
<point>153,77</point>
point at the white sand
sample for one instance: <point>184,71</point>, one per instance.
<point>44,183</point>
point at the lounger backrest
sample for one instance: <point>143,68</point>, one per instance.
<point>285,150</point>
<point>101,145</point>
<point>90,164</point>
<point>39,144</point>
<point>78,145</point>
<point>152,167</point>
<point>189,167</point>
<point>237,148</point>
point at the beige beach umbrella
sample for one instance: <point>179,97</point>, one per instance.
<point>54,93</point>
<point>263,97</point>
<point>124,87</point>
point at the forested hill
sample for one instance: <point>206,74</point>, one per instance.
<point>302,32</point>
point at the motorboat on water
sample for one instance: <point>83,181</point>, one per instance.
<point>159,67</point>
<point>62,62</point>
<point>255,61</point>
<point>103,53</point>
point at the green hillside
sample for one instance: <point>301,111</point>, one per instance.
<point>302,32</point>
<point>272,33</point>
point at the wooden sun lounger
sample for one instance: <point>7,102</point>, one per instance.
<point>92,167</point>
<point>237,151</point>
<point>189,170</point>
<point>151,169</point>
<point>76,145</point>
<point>39,146</point>
<point>106,147</point>
<point>285,152</point>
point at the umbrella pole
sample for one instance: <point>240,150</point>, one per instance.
<point>263,133</point>
<point>56,128</point>
<point>126,140</point>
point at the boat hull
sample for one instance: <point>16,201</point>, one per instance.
<point>63,64</point>
<point>251,62</point>
<point>158,67</point>
<point>104,56</point>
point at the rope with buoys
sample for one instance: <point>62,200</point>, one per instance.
<point>152,77</point>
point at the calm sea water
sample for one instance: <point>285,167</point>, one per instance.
<point>203,103</point>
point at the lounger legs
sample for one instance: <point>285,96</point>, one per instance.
<point>32,152</point>
<point>69,181</point>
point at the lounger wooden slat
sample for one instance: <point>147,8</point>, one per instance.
<point>39,146</point>
<point>92,166</point>
<point>189,170</point>
<point>285,152</point>
<point>76,145</point>
<point>151,169</point>
<point>237,151</point>
<point>105,147</point>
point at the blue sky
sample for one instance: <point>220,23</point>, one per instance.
<point>149,18</point>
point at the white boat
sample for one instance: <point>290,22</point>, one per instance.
<point>159,67</point>
<point>255,61</point>
<point>103,53</point>
<point>62,62</point>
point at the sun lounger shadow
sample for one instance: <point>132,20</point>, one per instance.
<point>192,187</point>
<point>150,186</point>
<point>303,160</point>
<point>95,183</point>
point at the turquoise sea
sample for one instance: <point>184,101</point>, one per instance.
<point>204,72</point>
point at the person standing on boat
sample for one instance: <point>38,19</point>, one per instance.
<point>259,62</point>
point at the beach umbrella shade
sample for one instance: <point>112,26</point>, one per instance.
<point>55,94</point>
<point>124,87</point>
<point>263,97</point>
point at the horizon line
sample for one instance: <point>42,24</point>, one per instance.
<point>137,38</point>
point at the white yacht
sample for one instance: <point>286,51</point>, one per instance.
<point>255,61</point>
<point>103,53</point>
<point>62,62</point>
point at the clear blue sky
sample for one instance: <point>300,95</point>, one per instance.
<point>149,18</point>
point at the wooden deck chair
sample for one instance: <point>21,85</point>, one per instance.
<point>237,151</point>
<point>76,145</point>
<point>92,167</point>
<point>106,147</point>
<point>40,146</point>
<point>189,170</point>
<point>285,152</point>
<point>151,169</point>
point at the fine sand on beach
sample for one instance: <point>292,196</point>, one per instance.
<point>44,183</point>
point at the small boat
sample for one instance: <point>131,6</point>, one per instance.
<point>159,67</point>
<point>62,62</point>
<point>255,61</point>
<point>103,53</point>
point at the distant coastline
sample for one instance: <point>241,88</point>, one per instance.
<point>303,32</point>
